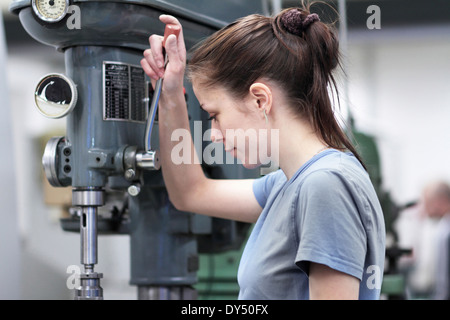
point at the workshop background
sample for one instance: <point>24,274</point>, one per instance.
<point>398,91</point>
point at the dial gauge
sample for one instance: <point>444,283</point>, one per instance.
<point>50,10</point>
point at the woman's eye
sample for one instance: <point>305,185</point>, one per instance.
<point>212,118</point>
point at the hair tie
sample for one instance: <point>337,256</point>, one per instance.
<point>311,18</point>
<point>293,22</point>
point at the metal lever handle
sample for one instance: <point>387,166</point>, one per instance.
<point>150,159</point>
<point>170,29</point>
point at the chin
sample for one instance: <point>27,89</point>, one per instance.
<point>251,166</point>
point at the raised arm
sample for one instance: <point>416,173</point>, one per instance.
<point>189,189</point>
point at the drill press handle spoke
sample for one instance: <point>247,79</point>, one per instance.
<point>152,157</point>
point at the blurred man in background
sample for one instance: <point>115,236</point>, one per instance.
<point>426,229</point>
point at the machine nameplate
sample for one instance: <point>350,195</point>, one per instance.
<point>124,92</point>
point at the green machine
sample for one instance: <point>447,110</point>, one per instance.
<point>394,283</point>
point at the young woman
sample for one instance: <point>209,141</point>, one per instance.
<point>319,229</point>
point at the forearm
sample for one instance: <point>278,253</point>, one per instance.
<point>182,177</point>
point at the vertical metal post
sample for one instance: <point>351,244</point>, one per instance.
<point>88,234</point>
<point>89,200</point>
<point>343,45</point>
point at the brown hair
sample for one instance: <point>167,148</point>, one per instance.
<point>301,62</point>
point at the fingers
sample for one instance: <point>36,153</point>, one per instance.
<point>176,63</point>
<point>153,61</point>
<point>167,19</point>
<point>156,50</point>
<point>148,69</point>
<point>150,66</point>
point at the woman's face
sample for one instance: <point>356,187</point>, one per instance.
<point>238,124</point>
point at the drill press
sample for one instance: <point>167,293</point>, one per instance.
<point>105,97</point>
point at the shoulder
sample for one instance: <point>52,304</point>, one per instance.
<point>335,182</point>
<point>263,187</point>
<point>336,169</point>
<point>340,186</point>
<point>277,175</point>
<point>270,180</point>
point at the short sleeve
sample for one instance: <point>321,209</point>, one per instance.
<point>263,186</point>
<point>330,230</point>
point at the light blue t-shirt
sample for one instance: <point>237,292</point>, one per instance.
<point>327,213</point>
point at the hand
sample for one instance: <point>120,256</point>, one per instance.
<point>153,61</point>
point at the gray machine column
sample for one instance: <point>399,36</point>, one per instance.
<point>163,249</point>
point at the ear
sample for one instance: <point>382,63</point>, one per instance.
<point>262,96</point>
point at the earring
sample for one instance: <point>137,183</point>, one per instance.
<point>265,116</point>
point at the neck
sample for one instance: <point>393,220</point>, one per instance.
<point>298,143</point>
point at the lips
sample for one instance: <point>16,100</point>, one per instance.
<point>225,146</point>
<point>232,151</point>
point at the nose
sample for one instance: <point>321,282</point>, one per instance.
<point>216,134</point>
